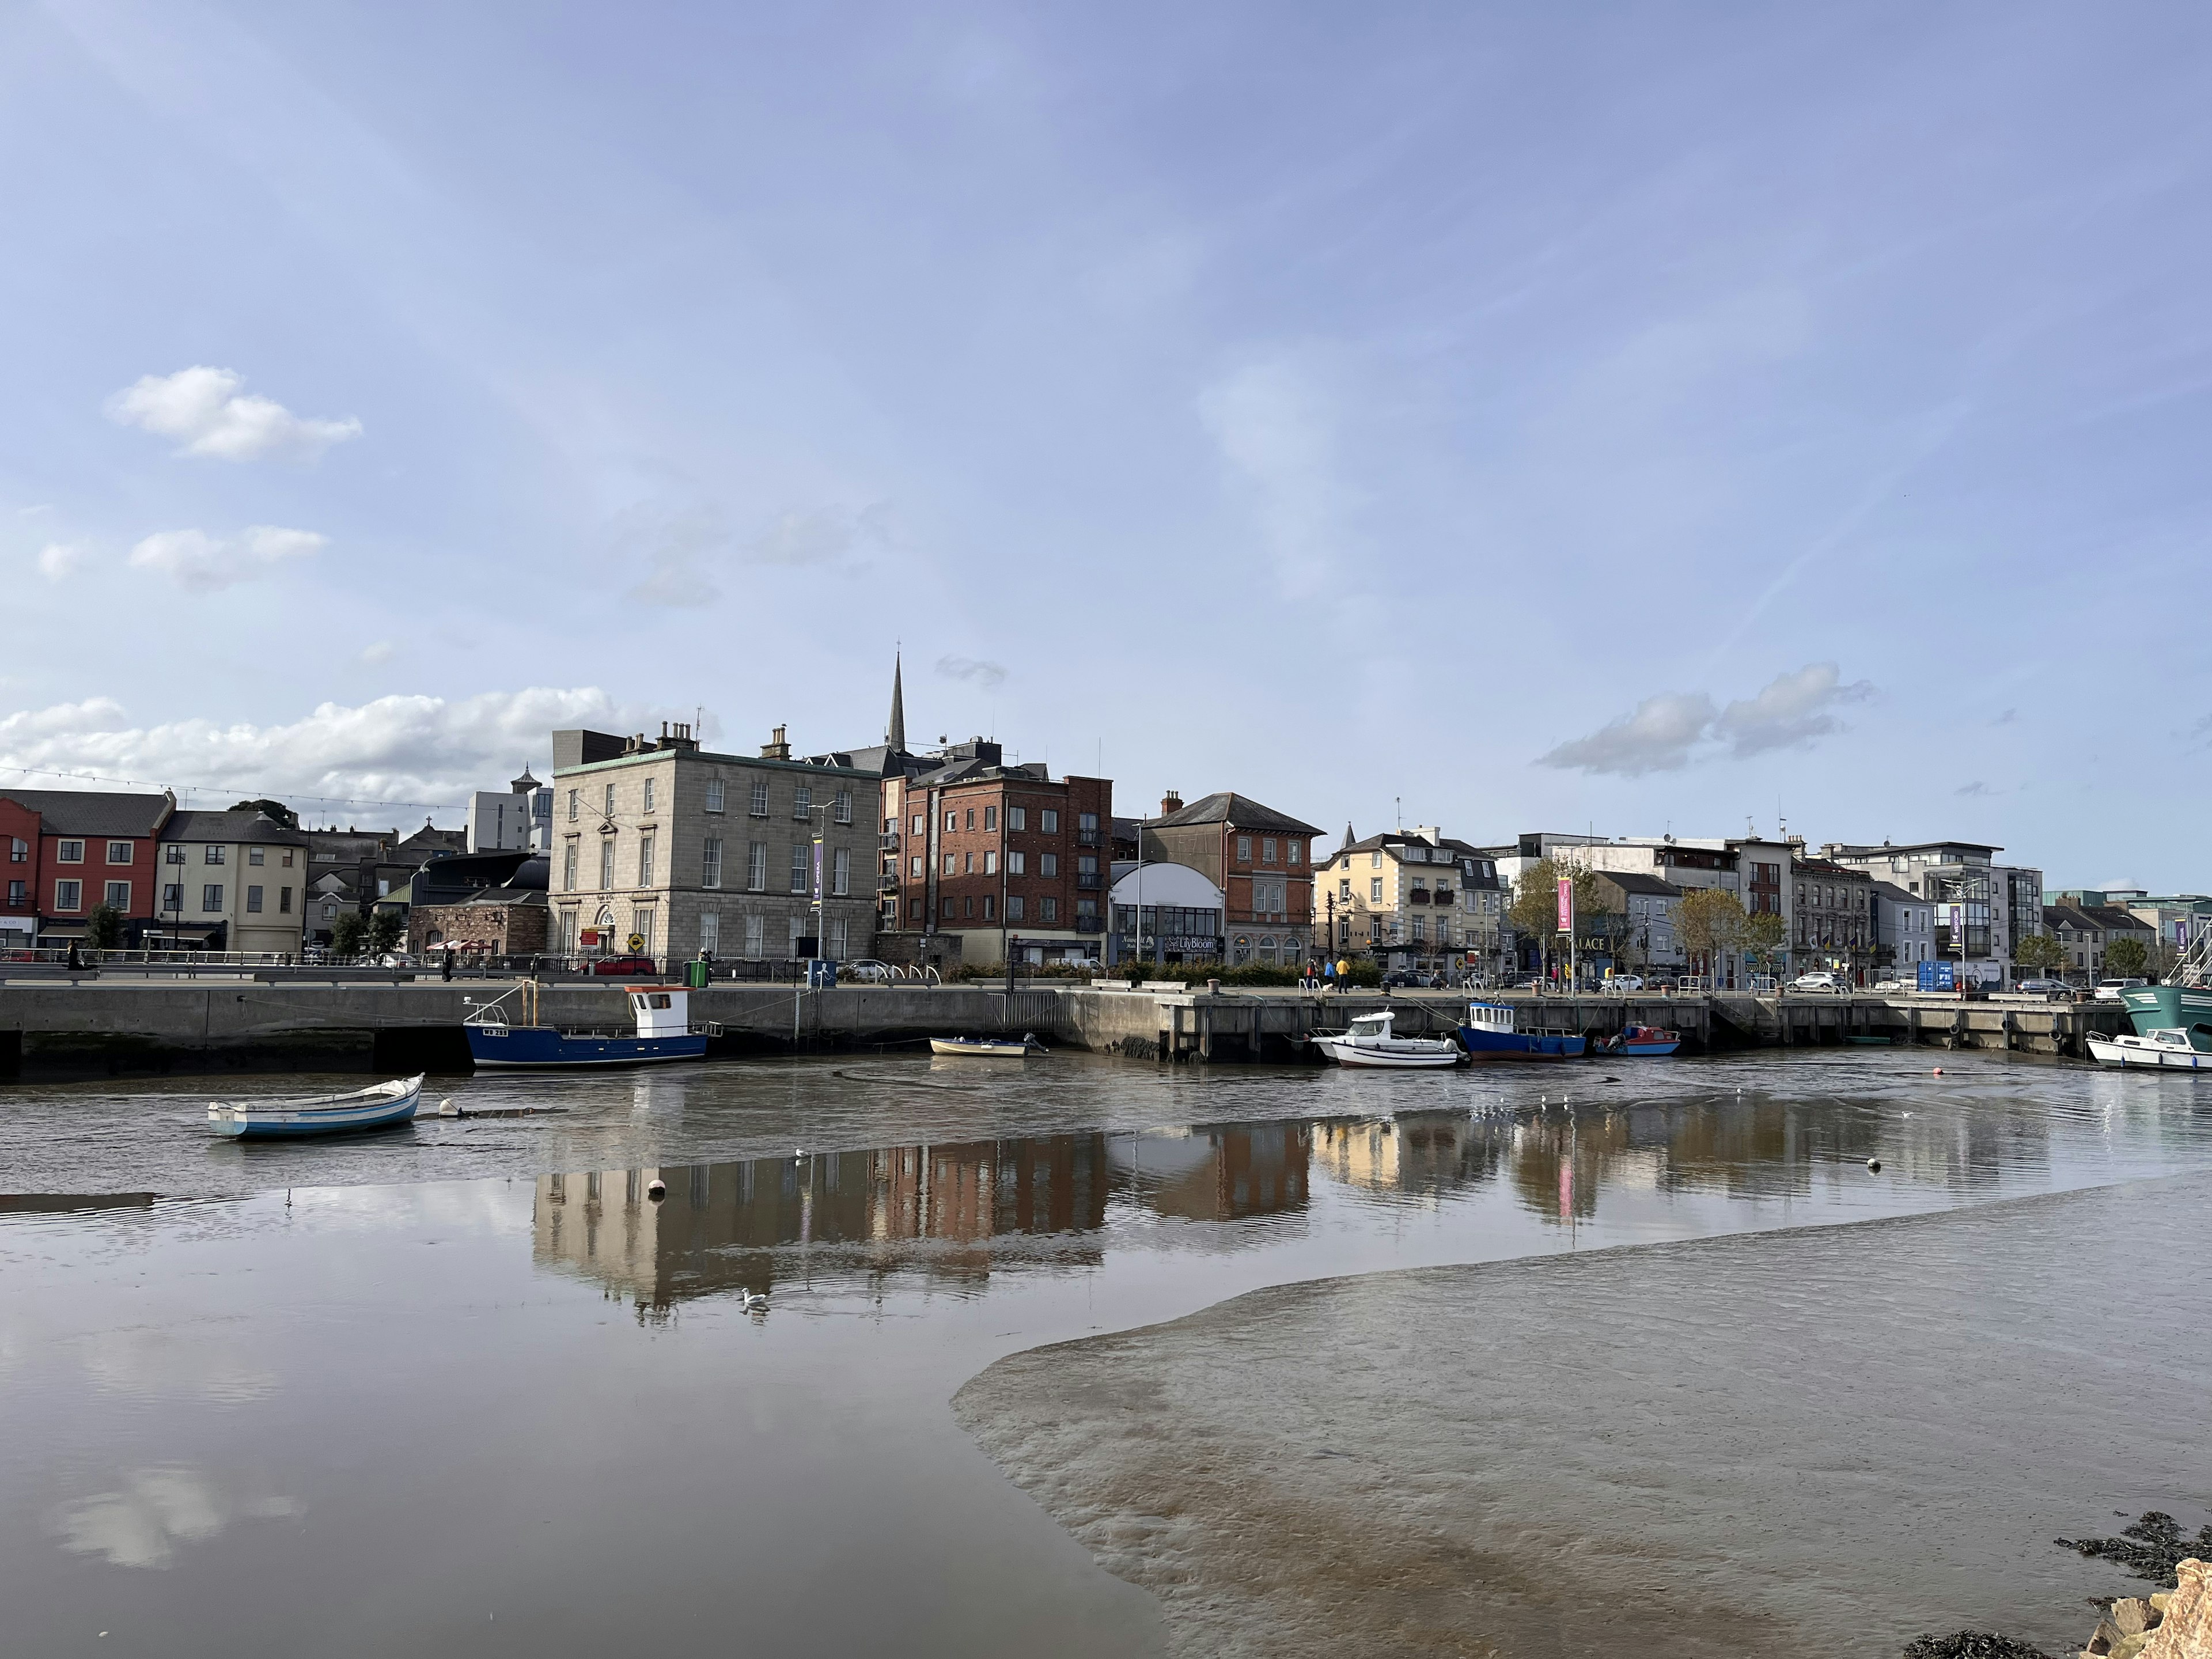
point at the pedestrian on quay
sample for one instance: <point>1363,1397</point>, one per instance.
<point>75,962</point>
<point>1343,973</point>
<point>446,968</point>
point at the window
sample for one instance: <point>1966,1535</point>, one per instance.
<point>1266,849</point>
<point>608,811</point>
<point>606,863</point>
<point>988,902</point>
<point>1018,864</point>
<point>756,937</point>
<point>971,818</point>
<point>944,909</point>
<point>759,807</point>
<point>284,901</point>
<point>253,900</point>
<point>649,795</point>
<point>952,822</point>
<point>914,867</point>
<point>952,864</point>
<point>214,854</point>
<point>1243,849</point>
<point>69,895</point>
<point>710,932</point>
<point>710,862</point>
<point>173,854</point>
<point>1013,906</point>
<point>919,826</point>
<point>118,895</point>
<point>800,862</point>
<point>19,850</point>
<point>1087,821</point>
<point>645,860</point>
<point>1375,890</point>
<point>1344,891</point>
<point>968,864</point>
<point>211,898</point>
<point>1294,847</point>
<point>841,871</point>
<point>1086,863</point>
<point>573,804</point>
<point>991,864</point>
<point>173,896</point>
<point>119,852</point>
<point>840,935</point>
<point>568,865</point>
<point>1048,864</point>
<point>1047,908</point>
<point>640,923</point>
<point>19,894</point>
<point>844,810</point>
<point>256,855</point>
<point>1377,856</point>
<point>914,909</point>
<point>802,801</point>
<point>1017,818</point>
<point>69,852</point>
<point>1049,820</point>
<point>287,859</point>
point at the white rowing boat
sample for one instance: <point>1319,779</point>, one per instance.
<point>378,1107</point>
<point>987,1047</point>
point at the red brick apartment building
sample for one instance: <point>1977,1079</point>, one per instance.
<point>974,849</point>
<point>71,851</point>
<point>1261,859</point>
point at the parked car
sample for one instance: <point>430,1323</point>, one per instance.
<point>2108,990</point>
<point>2057,989</point>
<point>1832,984</point>
<point>625,965</point>
<point>1406,979</point>
<point>1623,982</point>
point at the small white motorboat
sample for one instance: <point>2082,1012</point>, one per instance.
<point>2168,1048</point>
<point>378,1107</point>
<point>987,1047</point>
<point>1371,1042</point>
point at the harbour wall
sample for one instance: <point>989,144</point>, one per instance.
<point>115,1027</point>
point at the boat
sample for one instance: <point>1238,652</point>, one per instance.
<point>1642,1040</point>
<point>987,1047</point>
<point>2183,1008</point>
<point>1492,1032</point>
<point>660,1017</point>
<point>1369,1042</point>
<point>2169,1048</point>
<point>379,1106</point>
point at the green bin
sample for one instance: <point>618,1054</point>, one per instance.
<point>694,975</point>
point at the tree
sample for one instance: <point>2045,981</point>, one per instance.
<point>2039,952</point>
<point>1534,912</point>
<point>274,809</point>
<point>2125,958</point>
<point>386,929</point>
<point>348,933</point>
<point>1763,934</point>
<point>103,928</point>
<point>1710,921</point>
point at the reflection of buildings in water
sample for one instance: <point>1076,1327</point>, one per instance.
<point>1224,1173</point>
<point>1426,1154</point>
<point>720,1225</point>
<point>1559,1163</point>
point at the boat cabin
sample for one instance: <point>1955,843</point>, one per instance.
<point>1371,1025</point>
<point>1490,1017</point>
<point>660,1010</point>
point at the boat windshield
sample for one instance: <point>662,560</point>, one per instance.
<point>1489,1016</point>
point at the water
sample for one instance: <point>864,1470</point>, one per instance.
<point>471,1383</point>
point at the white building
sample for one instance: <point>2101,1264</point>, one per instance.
<point>522,818</point>
<point>1164,913</point>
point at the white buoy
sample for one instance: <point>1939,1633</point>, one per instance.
<point>656,1188</point>
<point>1874,1164</point>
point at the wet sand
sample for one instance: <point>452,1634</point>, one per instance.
<point>1821,1442</point>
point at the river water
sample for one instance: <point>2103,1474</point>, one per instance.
<point>476,1383</point>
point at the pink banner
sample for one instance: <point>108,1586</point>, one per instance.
<point>1566,904</point>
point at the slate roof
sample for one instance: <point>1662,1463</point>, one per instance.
<point>1636,881</point>
<point>1237,811</point>
<point>257,828</point>
<point>93,812</point>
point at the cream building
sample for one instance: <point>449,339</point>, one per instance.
<point>1412,897</point>
<point>230,881</point>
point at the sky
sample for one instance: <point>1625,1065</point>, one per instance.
<point>1644,419</point>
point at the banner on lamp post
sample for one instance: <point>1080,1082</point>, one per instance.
<point>1566,904</point>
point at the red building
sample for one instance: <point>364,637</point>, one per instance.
<point>72,851</point>
<point>1261,859</point>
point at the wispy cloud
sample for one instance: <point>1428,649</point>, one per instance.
<point>205,564</point>
<point>58,559</point>
<point>1978,787</point>
<point>989,676</point>
<point>208,415</point>
<point>1663,732</point>
<point>382,651</point>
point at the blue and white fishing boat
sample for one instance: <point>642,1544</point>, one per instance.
<point>380,1106</point>
<point>660,1016</point>
<point>1491,1033</point>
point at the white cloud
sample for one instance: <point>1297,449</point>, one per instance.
<point>1656,738</point>
<point>58,559</point>
<point>1273,428</point>
<point>1663,733</point>
<point>989,675</point>
<point>195,560</point>
<point>157,1510</point>
<point>395,748</point>
<point>382,651</point>
<point>204,410</point>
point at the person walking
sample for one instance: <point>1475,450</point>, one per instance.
<point>1343,973</point>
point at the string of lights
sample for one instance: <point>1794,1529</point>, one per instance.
<point>227,789</point>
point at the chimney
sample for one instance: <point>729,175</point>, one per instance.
<point>1428,833</point>
<point>1170,802</point>
<point>775,748</point>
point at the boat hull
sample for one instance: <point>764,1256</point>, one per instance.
<point>2147,1056</point>
<point>274,1121</point>
<point>974,1050</point>
<point>1482,1044</point>
<point>1427,1057</point>
<point>2172,1008</point>
<point>1649,1049</point>
<point>513,1047</point>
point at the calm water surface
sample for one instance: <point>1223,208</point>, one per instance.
<point>471,1383</point>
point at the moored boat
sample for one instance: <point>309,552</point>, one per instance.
<point>987,1047</point>
<point>2171,1007</point>
<point>1371,1042</point>
<point>1642,1040</point>
<point>660,1017</point>
<point>1492,1031</point>
<point>2165,1049</point>
<point>380,1106</point>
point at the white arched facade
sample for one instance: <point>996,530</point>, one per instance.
<point>1180,911</point>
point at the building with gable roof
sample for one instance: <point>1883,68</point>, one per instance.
<point>1262,861</point>
<point>1414,899</point>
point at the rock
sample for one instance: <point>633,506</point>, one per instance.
<point>2128,1647</point>
<point>2161,1599</point>
<point>2132,1616</point>
<point>2186,1632</point>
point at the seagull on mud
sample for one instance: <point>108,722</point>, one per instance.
<point>756,1302</point>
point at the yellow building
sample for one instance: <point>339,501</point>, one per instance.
<point>230,881</point>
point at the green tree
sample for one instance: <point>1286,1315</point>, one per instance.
<point>2125,958</point>
<point>103,928</point>
<point>386,929</point>
<point>1534,912</point>
<point>1763,935</point>
<point>2039,953</point>
<point>348,933</point>
<point>1710,920</point>
<point>274,809</point>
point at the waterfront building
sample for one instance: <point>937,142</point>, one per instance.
<point>363,870</point>
<point>1165,913</point>
<point>1413,899</point>
<point>1904,929</point>
<point>232,881</point>
<point>1833,926</point>
<point>2085,931</point>
<point>1648,908</point>
<point>71,851</point>
<point>1981,908</point>
<point>686,850</point>
<point>486,903</point>
<point>499,823</point>
<point>1260,858</point>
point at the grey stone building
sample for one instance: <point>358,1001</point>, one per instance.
<point>685,850</point>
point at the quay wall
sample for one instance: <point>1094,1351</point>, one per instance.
<point>115,1027</point>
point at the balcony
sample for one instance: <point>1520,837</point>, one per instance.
<point>887,882</point>
<point>1091,924</point>
<point>888,841</point>
<point>1090,882</point>
<point>1418,896</point>
<point>1088,837</point>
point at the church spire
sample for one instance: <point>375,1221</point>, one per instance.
<point>896,734</point>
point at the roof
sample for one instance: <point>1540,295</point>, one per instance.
<point>1635,881</point>
<point>95,812</point>
<point>645,755</point>
<point>1235,811</point>
<point>1896,894</point>
<point>231,826</point>
<point>1829,868</point>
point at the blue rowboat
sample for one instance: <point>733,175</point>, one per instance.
<point>660,1014</point>
<point>380,1107</point>
<point>1490,1033</point>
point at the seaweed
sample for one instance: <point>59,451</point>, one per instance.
<point>2152,1548</point>
<point>1971,1644</point>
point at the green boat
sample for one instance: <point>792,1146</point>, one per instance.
<point>2173,1008</point>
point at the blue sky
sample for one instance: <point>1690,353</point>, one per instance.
<point>1645,419</point>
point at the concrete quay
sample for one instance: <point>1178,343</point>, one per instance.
<point>113,1027</point>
